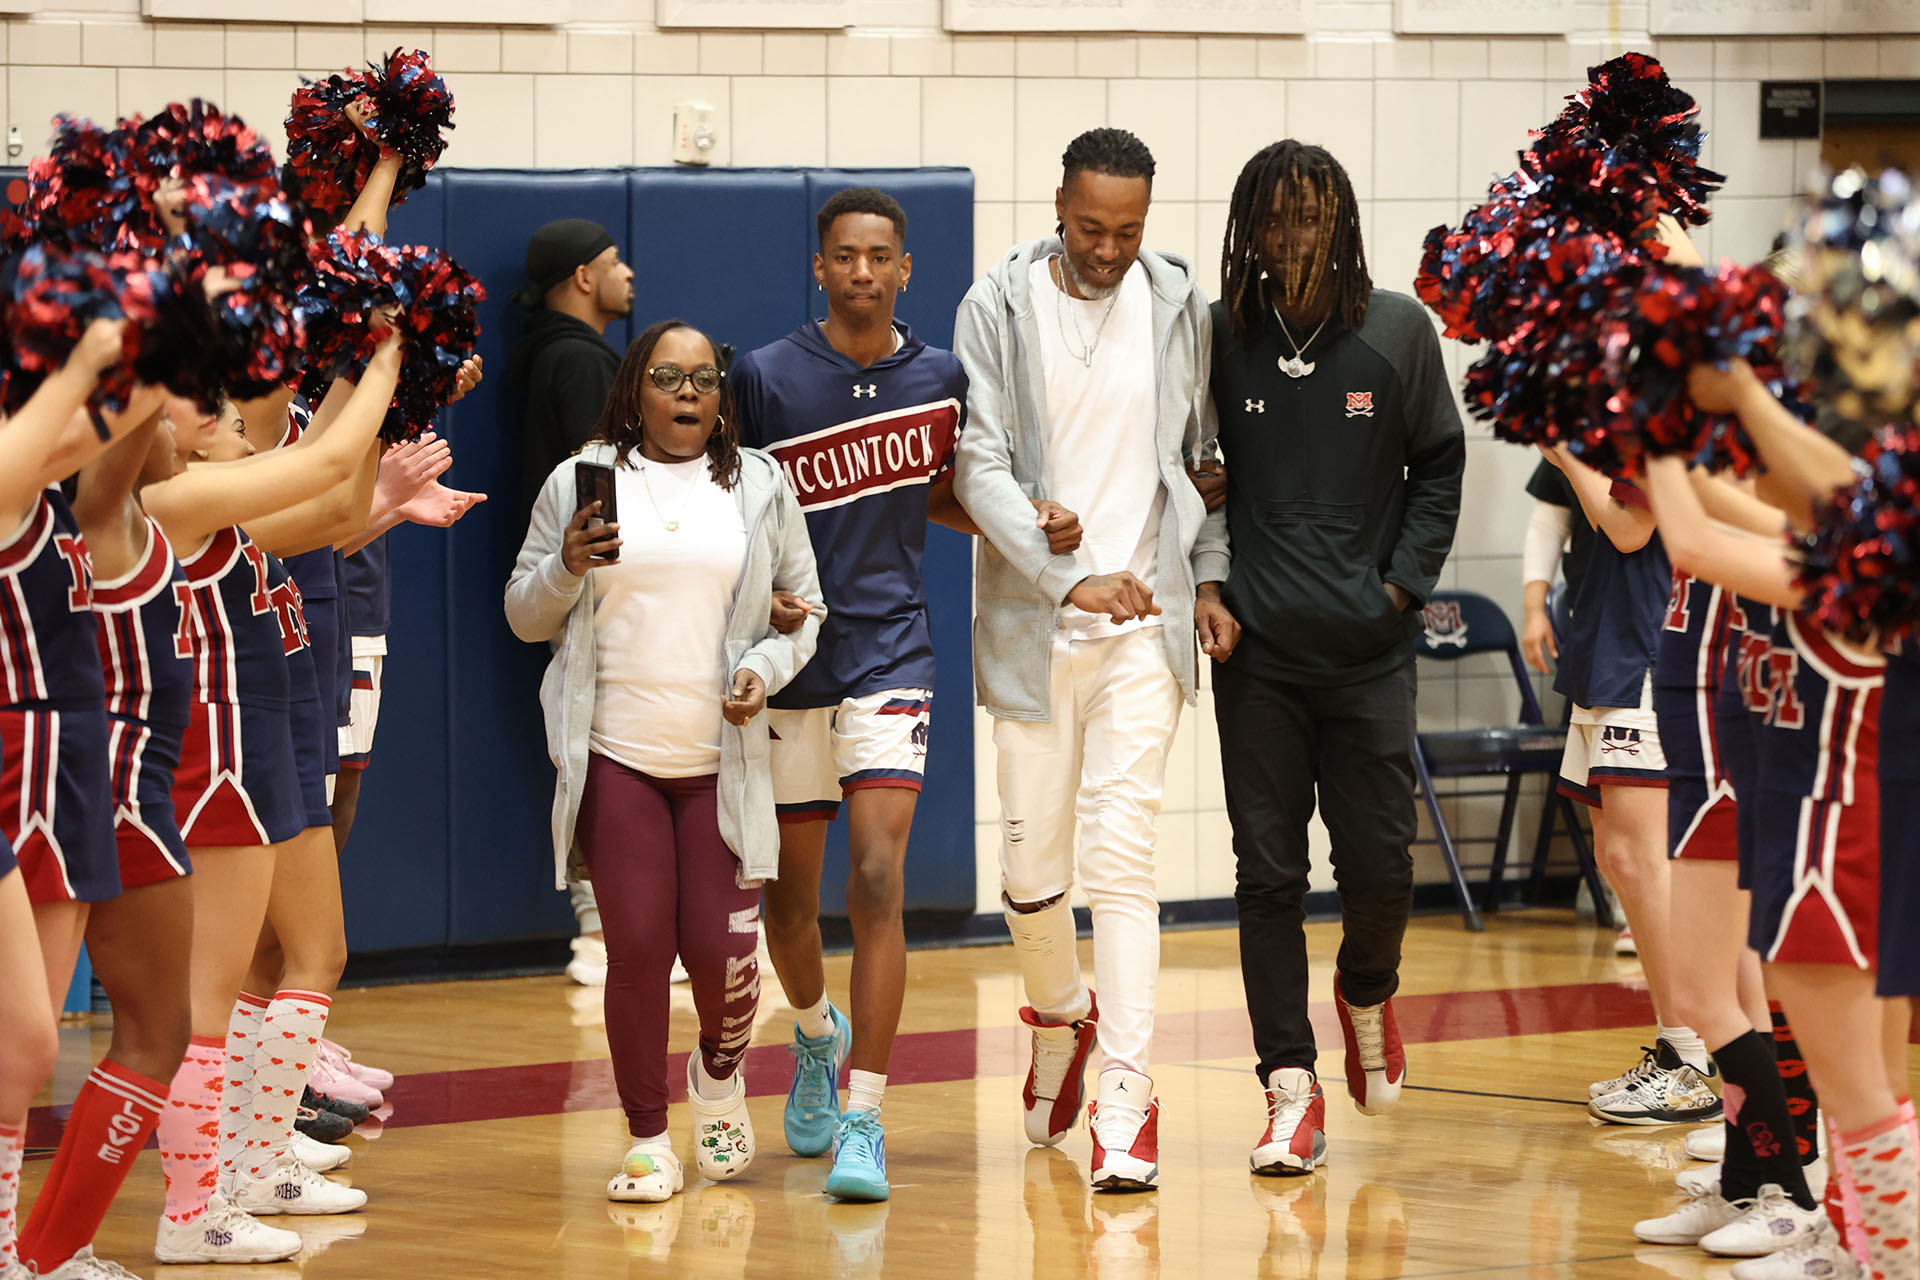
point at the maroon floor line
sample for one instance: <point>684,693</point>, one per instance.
<point>937,1057</point>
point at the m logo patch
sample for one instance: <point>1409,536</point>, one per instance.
<point>1444,624</point>
<point>1359,404</point>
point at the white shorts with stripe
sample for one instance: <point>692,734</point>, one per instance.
<point>363,715</point>
<point>821,753</point>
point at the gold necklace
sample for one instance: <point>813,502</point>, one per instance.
<point>673,525</point>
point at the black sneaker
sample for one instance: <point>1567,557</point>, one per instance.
<point>321,1126</point>
<point>351,1112</point>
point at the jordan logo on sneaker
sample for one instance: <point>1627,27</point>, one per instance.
<point>869,391</point>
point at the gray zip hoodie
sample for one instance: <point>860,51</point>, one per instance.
<point>1019,585</point>
<point>545,601</point>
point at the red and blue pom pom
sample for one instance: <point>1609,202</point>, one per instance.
<point>408,107</point>
<point>252,237</point>
<point>1860,567</point>
<point>1629,105</point>
<point>355,278</point>
<point>76,196</point>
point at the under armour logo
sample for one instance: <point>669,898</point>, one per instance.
<point>1256,406</point>
<point>867,392</point>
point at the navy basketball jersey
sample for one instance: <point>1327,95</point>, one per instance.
<point>1609,649</point>
<point>859,447</point>
<point>1822,734</point>
<point>148,639</point>
<point>243,658</point>
<point>315,571</point>
<point>48,655</point>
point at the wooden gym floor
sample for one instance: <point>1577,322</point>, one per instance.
<point>505,1128</point>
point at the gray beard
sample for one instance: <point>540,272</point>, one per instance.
<point>1090,292</point>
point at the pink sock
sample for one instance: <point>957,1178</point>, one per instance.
<point>13,1150</point>
<point>190,1131</point>
<point>1886,1182</point>
<point>289,1038</point>
<point>236,1091</point>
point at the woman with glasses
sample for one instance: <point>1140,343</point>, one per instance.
<point>665,657</point>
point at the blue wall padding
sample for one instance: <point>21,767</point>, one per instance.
<point>451,845</point>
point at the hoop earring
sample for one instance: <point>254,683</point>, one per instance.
<point>719,421</point>
<point>903,288</point>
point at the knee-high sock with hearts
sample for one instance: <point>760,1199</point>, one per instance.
<point>1885,1169</point>
<point>289,1038</point>
<point>190,1130</point>
<point>13,1150</point>
<point>236,1089</point>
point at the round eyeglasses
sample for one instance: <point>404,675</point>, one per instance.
<point>669,377</point>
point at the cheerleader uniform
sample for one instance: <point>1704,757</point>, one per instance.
<point>55,791</point>
<point>237,783</point>
<point>148,639</point>
<point>1816,857</point>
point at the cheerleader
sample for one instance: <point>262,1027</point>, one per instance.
<point>237,794</point>
<point>42,572</point>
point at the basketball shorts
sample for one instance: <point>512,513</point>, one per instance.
<point>143,760</point>
<point>237,783</point>
<point>821,753</point>
<point>1612,747</point>
<point>56,803</point>
<point>315,739</point>
<point>1816,879</point>
<point>324,641</point>
<point>363,708</point>
<point>1899,973</point>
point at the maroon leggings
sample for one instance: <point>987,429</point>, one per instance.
<point>667,884</point>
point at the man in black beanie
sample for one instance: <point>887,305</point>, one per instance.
<point>576,286</point>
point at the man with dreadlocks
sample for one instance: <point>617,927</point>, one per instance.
<point>1086,362</point>
<point>1346,452</point>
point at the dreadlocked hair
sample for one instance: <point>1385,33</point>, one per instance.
<point>1294,169</point>
<point>620,419</point>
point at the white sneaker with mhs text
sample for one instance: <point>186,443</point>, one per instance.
<point>223,1233</point>
<point>287,1186</point>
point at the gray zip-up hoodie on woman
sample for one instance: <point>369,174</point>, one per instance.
<point>1000,465</point>
<point>544,600</point>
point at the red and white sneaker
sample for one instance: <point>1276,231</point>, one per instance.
<point>1126,1132</point>
<point>1056,1079</point>
<point>1376,1063</point>
<point>1296,1138</point>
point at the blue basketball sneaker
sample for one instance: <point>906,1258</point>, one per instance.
<point>813,1099</point>
<point>859,1158</point>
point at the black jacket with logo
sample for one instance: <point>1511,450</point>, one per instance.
<point>565,370</point>
<point>1339,483</point>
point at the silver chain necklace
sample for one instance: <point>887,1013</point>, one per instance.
<point>1294,366</point>
<point>1085,355</point>
<point>670,525</point>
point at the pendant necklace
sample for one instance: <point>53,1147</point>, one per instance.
<point>1294,366</point>
<point>1085,355</point>
<point>673,525</point>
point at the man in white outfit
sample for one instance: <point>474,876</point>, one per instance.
<point>1087,362</point>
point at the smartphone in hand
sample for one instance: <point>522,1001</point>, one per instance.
<point>593,482</point>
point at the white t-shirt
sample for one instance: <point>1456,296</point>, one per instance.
<point>1102,460</point>
<point>660,620</point>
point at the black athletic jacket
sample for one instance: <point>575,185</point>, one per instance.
<point>1339,483</point>
<point>565,370</point>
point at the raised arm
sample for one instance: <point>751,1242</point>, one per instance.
<point>1804,467</point>
<point>1627,526</point>
<point>214,495</point>
<point>1697,544</point>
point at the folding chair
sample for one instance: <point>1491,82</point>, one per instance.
<point>1462,624</point>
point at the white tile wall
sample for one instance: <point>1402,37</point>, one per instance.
<point>1421,124</point>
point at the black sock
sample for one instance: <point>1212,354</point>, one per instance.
<point>1802,1103</point>
<point>1760,1131</point>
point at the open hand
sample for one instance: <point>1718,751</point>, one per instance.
<point>439,506</point>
